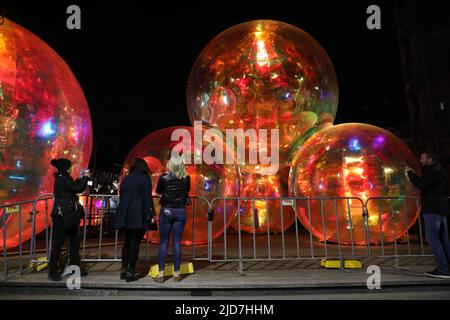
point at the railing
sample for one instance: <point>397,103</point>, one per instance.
<point>347,227</point>
<point>343,224</point>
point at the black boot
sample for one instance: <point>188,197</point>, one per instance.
<point>53,273</point>
<point>123,272</point>
<point>130,275</point>
<point>83,272</point>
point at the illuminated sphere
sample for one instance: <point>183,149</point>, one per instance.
<point>257,219</point>
<point>208,181</point>
<point>263,74</point>
<point>354,160</point>
<point>43,115</point>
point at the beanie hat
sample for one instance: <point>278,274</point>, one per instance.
<point>61,164</point>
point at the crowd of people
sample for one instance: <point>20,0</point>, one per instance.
<point>135,213</point>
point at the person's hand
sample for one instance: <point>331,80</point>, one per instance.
<point>87,173</point>
<point>408,169</point>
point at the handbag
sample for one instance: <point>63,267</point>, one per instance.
<point>72,217</point>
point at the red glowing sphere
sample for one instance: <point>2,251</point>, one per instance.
<point>357,161</point>
<point>207,180</point>
<point>43,115</point>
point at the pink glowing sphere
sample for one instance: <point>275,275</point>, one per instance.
<point>263,74</point>
<point>207,181</point>
<point>360,161</point>
<point>43,115</point>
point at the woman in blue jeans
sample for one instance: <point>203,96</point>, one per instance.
<point>174,188</point>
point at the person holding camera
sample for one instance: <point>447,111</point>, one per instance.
<point>66,214</point>
<point>434,209</point>
<point>135,214</point>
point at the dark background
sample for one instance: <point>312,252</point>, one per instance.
<point>133,60</point>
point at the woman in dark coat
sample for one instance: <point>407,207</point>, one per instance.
<point>134,214</point>
<point>66,201</point>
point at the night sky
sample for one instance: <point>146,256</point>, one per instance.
<point>133,60</point>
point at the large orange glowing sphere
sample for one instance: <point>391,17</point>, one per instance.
<point>260,208</point>
<point>356,161</point>
<point>263,74</point>
<point>207,180</point>
<point>43,115</point>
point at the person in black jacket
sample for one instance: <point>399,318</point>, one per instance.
<point>174,187</point>
<point>134,214</point>
<point>65,202</point>
<point>434,208</point>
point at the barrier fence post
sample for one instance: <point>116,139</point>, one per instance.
<point>116,239</point>
<point>351,226</point>
<point>420,227</point>
<point>20,238</point>
<point>5,260</point>
<point>294,207</point>
<point>323,226</point>
<point>225,234</point>
<point>395,237</point>
<point>381,227</point>
<point>100,238</point>
<point>84,226</point>
<point>282,229</point>
<point>268,229</point>
<point>253,215</point>
<point>341,257</point>
<point>310,228</point>
<point>210,222</point>
<point>33,234</point>
<point>367,228</point>
<point>364,215</point>
<point>405,215</point>
<point>50,245</point>
<point>241,264</point>
<point>47,244</point>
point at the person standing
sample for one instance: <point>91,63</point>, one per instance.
<point>134,214</point>
<point>434,209</point>
<point>174,188</point>
<point>65,203</point>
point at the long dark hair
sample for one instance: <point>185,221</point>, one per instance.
<point>140,165</point>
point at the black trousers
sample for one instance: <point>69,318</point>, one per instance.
<point>58,238</point>
<point>130,249</point>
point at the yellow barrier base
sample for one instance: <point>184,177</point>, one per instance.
<point>185,268</point>
<point>336,264</point>
<point>39,266</point>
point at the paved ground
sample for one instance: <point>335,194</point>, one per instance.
<point>262,280</point>
<point>277,279</point>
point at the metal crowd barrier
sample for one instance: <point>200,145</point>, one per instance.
<point>295,242</point>
<point>8,212</point>
<point>289,251</point>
